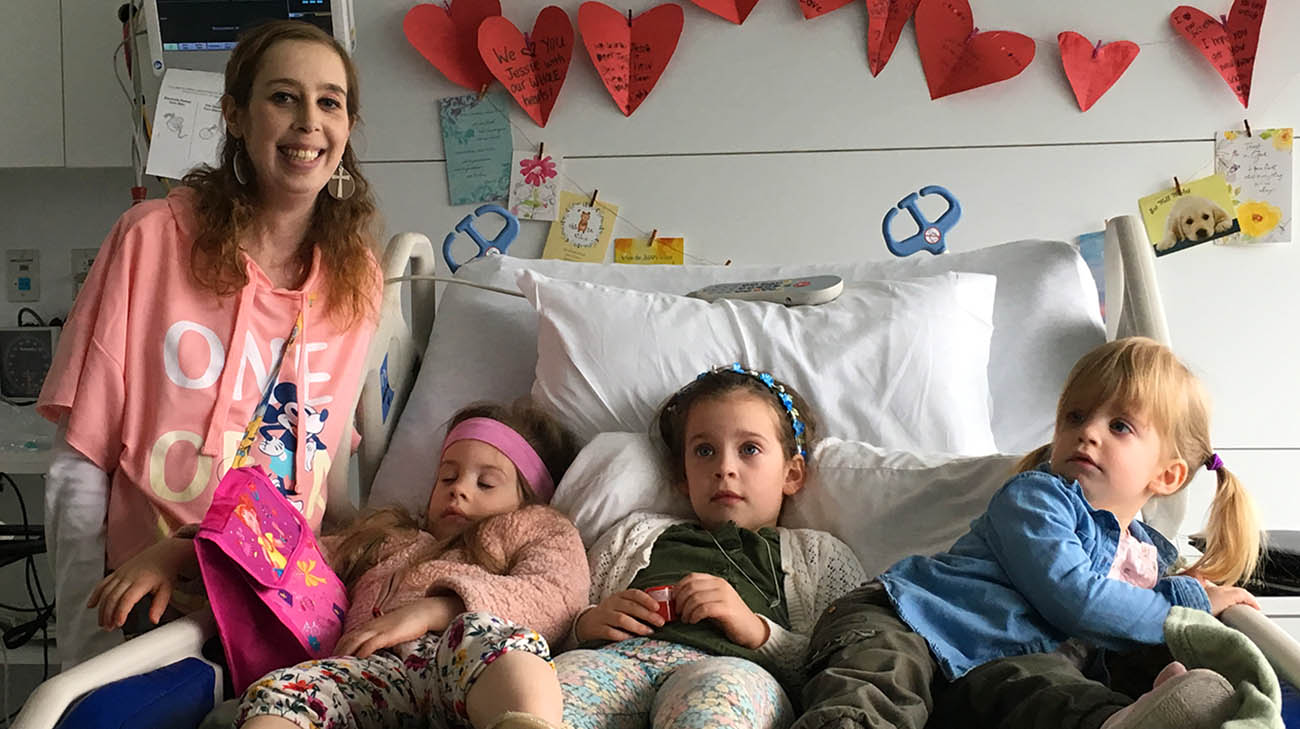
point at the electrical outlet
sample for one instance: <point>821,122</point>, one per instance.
<point>82,258</point>
<point>24,273</point>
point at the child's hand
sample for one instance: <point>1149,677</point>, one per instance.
<point>619,617</point>
<point>1222,598</point>
<point>153,571</point>
<point>405,623</point>
<point>699,596</point>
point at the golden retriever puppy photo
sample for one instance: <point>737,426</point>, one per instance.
<point>1194,218</point>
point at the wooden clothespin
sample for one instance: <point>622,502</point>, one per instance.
<point>629,17</point>
<point>1178,189</point>
<point>594,193</point>
<point>483,91</point>
<point>653,234</point>
<point>541,146</point>
<point>1247,123</point>
<point>1095,50</point>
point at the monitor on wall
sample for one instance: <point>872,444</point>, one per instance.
<point>215,25</point>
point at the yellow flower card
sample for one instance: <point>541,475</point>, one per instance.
<point>1257,168</point>
<point>581,231</point>
<point>669,251</point>
<point>1195,212</point>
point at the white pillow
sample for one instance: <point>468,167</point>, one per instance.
<point>887,505</point>
<point>483,344</point>
<point>884,504</point>
<point>900,363</point>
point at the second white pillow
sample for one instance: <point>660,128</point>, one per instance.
<point>899,363</point>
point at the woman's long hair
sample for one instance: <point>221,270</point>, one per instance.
<point>225,208</point>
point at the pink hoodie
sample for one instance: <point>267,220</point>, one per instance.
<point>158,378</point>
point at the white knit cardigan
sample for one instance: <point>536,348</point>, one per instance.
<point>819,569</point>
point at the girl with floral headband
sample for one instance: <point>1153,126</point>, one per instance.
<point>704,623</point>
<point>1000,630</point>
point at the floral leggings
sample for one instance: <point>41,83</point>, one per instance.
<point>417,685</point>
<point>641,682</point>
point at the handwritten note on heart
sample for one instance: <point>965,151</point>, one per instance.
<point>1092,70</point>
<point>448,38</point>
<point>885,21</point>
<point>957,57</point>
<point>1228,45</point>
<point>630,57</point>
<point>816,8</point>
<point>532,68</point>
<point>734,10</point>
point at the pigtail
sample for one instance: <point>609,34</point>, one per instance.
<point>1232,534</point>
<point>1034,458</point>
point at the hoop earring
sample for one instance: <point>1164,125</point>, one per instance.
<point>241,176</point>
<point>341,185</point>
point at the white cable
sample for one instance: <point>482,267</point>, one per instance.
<point>447,279</point>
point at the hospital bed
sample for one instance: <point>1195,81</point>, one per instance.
<point>1041,316</point>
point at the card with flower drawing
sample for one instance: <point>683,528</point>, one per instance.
<point>534,185</point>
<point>1257,167</point>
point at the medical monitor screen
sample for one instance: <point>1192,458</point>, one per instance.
<point>214,25</point>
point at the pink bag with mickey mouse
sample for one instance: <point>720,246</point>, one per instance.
<point>276,601</point>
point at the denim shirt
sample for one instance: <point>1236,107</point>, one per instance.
<point>1030,574</point>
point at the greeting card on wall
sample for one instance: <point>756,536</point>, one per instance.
<point>1228,41</point>
<point>630,54</point>
<point>582,230</point>
<point>476,140</point>
<point>1258,169</point>
<point>534,186</point>
<point>532,66</point>
<point>1188,215</point>
<point>647,251</point>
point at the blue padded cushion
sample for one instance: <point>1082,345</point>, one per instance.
<point>176,696</point>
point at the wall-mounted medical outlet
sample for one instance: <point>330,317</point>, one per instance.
<point>24,274</point>
<point>82,258</point>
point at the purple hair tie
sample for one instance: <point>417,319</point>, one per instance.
<point>1213,463</point>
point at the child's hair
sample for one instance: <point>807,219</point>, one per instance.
<point>361,542</point>
<point>1145,374</point>
<point>792,411</point>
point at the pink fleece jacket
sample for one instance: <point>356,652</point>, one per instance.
<point>541,578</point>
<point>157,378</point>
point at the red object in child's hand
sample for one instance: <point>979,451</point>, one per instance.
<point>664,596</point>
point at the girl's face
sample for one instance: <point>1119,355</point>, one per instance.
<point>296,125</point>
<point>475,481</point>
<point>1118,457</point>
<point>736,468</point>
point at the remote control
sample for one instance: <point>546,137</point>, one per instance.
<point>808,290</point>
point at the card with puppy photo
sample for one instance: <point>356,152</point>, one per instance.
<point>1193,213</point>
<point>1257,167</point>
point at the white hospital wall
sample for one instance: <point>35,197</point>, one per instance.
<point>771,142</point>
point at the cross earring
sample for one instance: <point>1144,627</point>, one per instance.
<point>341,185</point>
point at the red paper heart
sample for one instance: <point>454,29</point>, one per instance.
<point>1093,70</point>
<point>956,57</point>
<point>1229,47</point>
<point>448,38</point>
<point>639,50</point>
<point>816,8</point>
<point>734,10</point>
<point>532,69</point>
<point>885,21</point>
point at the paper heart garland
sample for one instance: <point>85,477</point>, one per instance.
<point>532,68</point>
<point>957,57</point>
<point>1092,70</point>
<point>630,56</point>
<point>885,21</point>
<point>734,10</point>
<point>448,38</point>
<point>817,8</point>
<point>1228,45</point>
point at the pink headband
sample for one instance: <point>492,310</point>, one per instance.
<point>504,438</point>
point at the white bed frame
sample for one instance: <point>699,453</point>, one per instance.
<point>1133,308</point>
